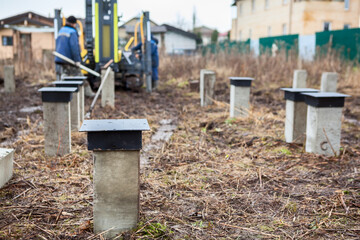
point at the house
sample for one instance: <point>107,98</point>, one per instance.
<point>223,36</point>
<point>26,36</point>
<point>172,40</point>
<point>263,18</point>
<point>178,41</point>
<point>205,33</point>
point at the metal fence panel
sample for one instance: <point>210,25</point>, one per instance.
<point>345,42</point>
<point>286,42</point>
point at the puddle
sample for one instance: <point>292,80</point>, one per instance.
<point>353,121</point>
<point>161,136</point>
<point>31,109</point>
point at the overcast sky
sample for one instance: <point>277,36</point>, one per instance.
<point>211,13</point>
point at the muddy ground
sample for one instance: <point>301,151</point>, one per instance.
<point>216,178</point>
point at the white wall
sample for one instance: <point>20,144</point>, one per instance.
<point>307,47</point>
<point>255,46</point>
<point>177,43</point>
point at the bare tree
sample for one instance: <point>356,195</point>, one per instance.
<point>194,18</point>
<point>181,22</point>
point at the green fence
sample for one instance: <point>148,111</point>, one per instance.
<point>286,42</point>
<point>227,46</point>
<point>345,42</point>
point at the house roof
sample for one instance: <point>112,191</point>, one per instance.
<point>154,29</point>
<point>224,34</point>
<point>180,31</point>
<point>162,29</point>
<point>124,25</point>
<point>30,17</point>
<point>31,29</point>
<point>204,31</point>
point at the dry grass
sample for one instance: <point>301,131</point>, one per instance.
<point>217,178</point>
<point>276,71</point>
<point>33,70</point>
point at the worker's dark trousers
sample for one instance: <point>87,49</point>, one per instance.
<point>66,70</point>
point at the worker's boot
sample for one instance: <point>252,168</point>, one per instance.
<point>154,84</point>
<point>88,90</point>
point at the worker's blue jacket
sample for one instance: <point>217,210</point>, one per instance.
<point>154,58</point>
<point>154,53</point>
<point>67,44</point>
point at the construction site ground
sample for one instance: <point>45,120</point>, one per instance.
<point>215,178</point>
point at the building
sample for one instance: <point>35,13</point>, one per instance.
<point>205,33</point>
<point>223,36</point>
<point>26,36</point>
<point>178,41</point>
<point>263,18</point>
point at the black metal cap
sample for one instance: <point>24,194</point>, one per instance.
<point>325,99</point>
<point>115,134</point>
<point>74,78</point>
<point>241,81</point>
<point>56,94</point>
<point>75,84</point>
<point>294,94</point>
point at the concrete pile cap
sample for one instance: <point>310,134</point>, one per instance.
<point>241,81</point>
<point>5,151</point>
<point>295,94</point>
<point>325,99</point>
<point>57,94</point>
<point>75,84</point>
<point>115,134</point>
<point>205,71</point>
<point>115,125</point>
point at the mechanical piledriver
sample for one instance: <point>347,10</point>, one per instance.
<point>97,49</point>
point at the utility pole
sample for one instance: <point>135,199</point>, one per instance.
<point>194,19</point>
<point>290,14</point>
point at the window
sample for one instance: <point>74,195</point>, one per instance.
<point>347,4</point>
<point>240,35</point>
<point>269,31</point>
<point>234,12</point>
<point>285,1</point>
<point>327,26</point>
<point>346,26</point>
<point>7,40</point>
<point>240,9</point>
<point>284,29</point>
<point>250,33</point>
<point>266,4</point>
<point>253,5</point>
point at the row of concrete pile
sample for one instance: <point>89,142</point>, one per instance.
<point>313,116</point>
<point>116,146</point>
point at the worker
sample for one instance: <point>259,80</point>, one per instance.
<point>67,44</point>
<point>154,60</point>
